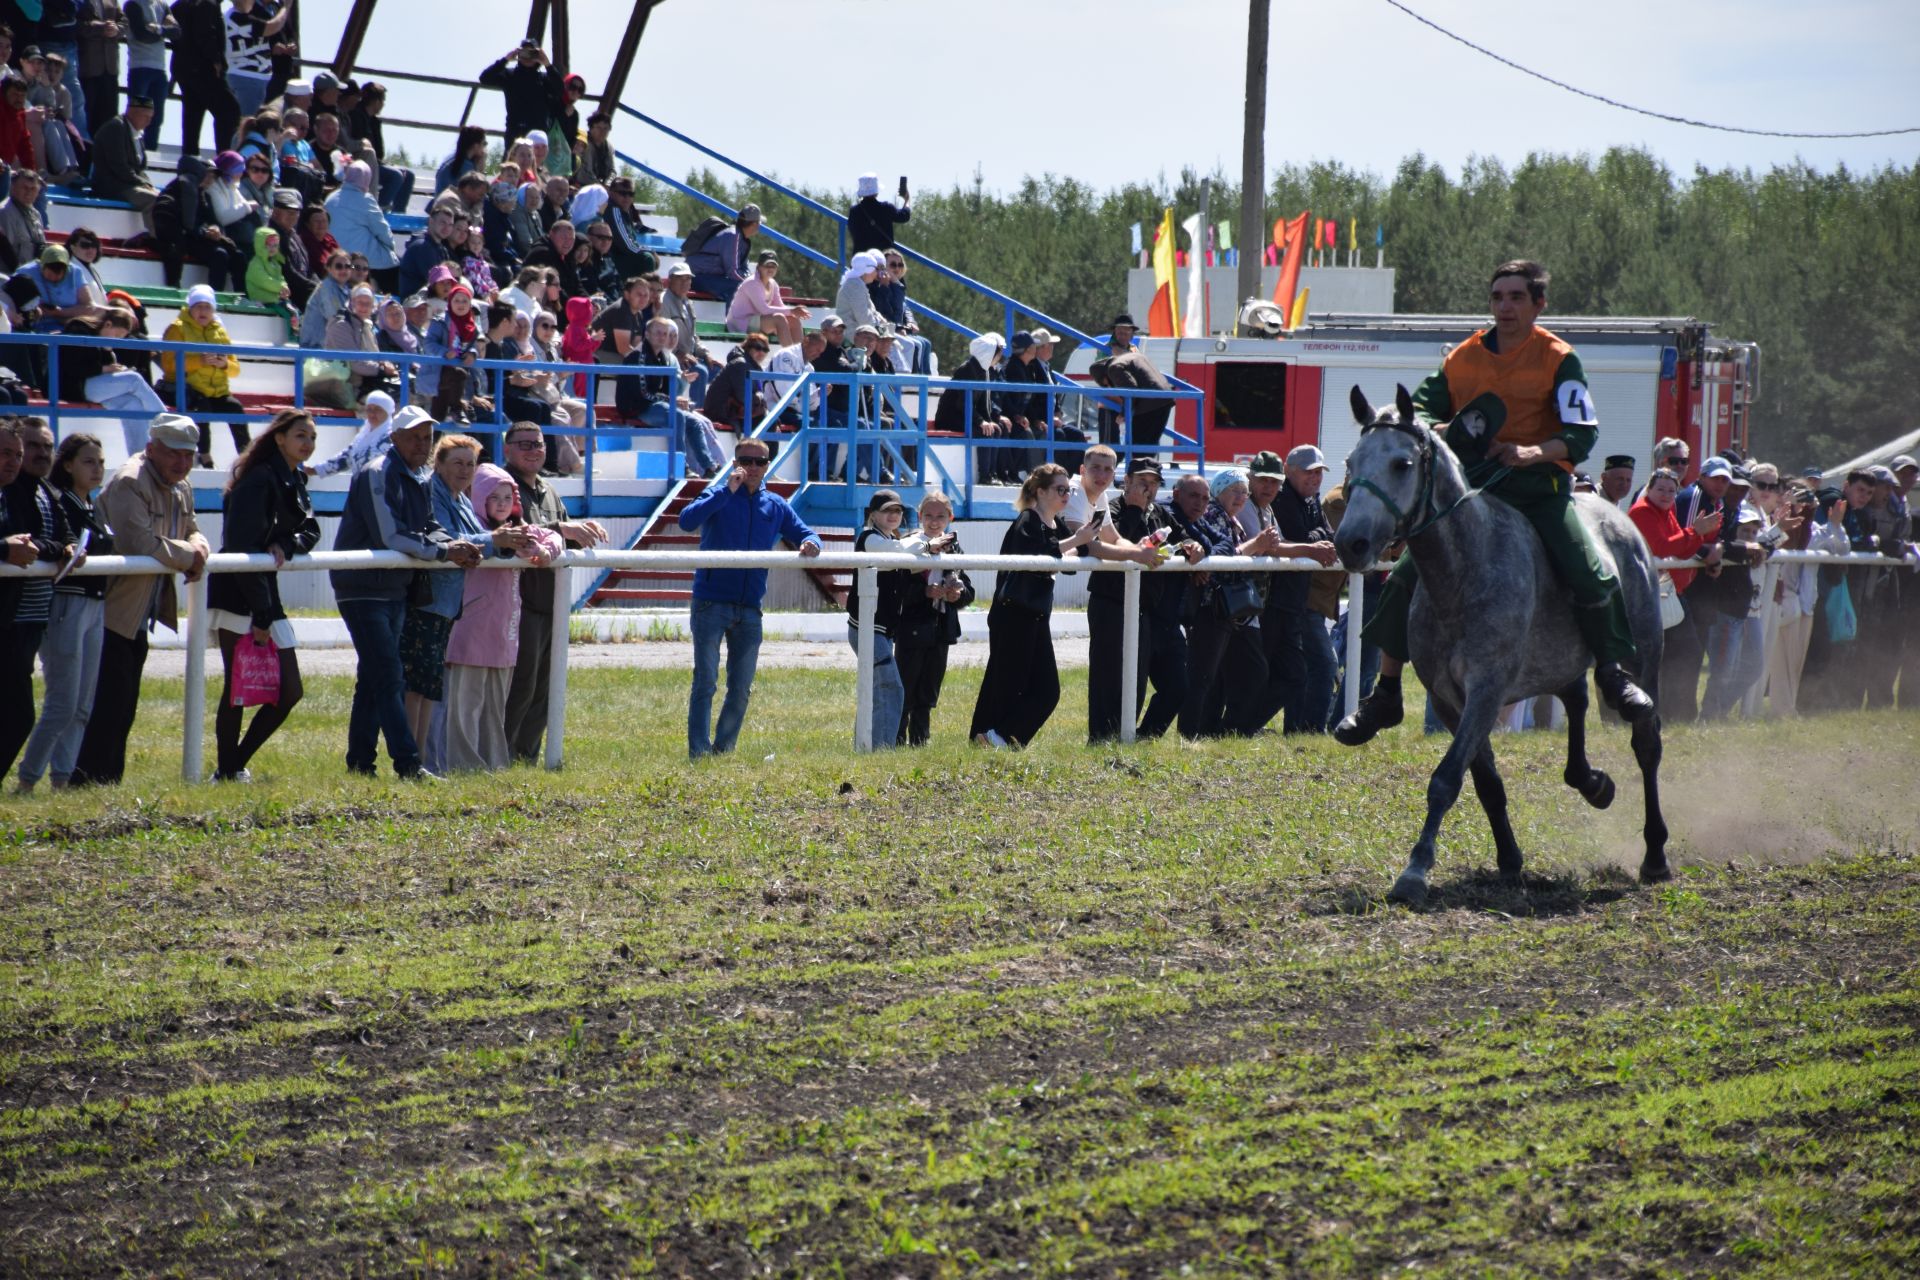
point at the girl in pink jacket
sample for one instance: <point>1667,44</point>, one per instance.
<point>486,639</point>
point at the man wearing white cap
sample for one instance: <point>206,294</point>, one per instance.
<point>695,360</point>
<point>871,220</point>
<point>149,506</point>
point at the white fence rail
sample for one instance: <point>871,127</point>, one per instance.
<point>866,564</point>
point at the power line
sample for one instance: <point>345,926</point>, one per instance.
<point>1625,106</point>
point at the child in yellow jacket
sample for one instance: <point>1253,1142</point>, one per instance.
<point>209,376</point>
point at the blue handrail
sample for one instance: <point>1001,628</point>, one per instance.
<point>723,207</point>
<point>1011,306</point>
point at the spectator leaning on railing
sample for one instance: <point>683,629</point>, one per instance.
<point>149,506</point>
<point>70,651</point>
<point>1300,658</point>
<point>542,508</point>
<point>1021,686</point>
<point>881,536</point>
<point>1226,666</point>
<point>266,511</point>
<point>929,623</point>
<point>741,514</point>
<point>1091,502</point>
<point>389,509</point>
<point>34,525</point>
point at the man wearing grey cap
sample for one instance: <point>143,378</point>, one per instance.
<point>1301,666</point>
<point>149,506</point>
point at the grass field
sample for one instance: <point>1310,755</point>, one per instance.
<point>1113,1012</point>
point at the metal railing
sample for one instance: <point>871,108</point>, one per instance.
<point>867,565</point>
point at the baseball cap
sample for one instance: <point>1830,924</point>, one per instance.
<point>54,256</point>
<point>411,416</point>
<point>1044,338</point>
<point>1716,466</point>
<point>679,269</point>
<point>831,321</point>
<point>1022,340</point>
<point>1903,463</point>
<point>1266,463</point>
<point>867,329</point>
<point>286,198</point>
<point>1880,474</point>
<point>1306,457</point>
<point>326,80</point>
<point>175,431</point>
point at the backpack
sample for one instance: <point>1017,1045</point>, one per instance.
<point>696,240</point>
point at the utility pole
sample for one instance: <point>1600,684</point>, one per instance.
<point>1253,161</point>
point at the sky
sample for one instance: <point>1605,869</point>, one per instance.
<point>1121,91</point>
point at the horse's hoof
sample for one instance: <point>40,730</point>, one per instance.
<point>1599,790</point>
<point>1510,874</point>
<point>1655,872</point>
<point>1409,890</point>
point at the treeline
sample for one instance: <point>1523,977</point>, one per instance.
<point>1821,269</point>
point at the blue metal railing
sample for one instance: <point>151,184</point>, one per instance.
<point>494,374</point>
<point>1011,308</point>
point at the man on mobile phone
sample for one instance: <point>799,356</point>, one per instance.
<point>871,220</point>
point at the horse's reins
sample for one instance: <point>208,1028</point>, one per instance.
<point>1424,438</point>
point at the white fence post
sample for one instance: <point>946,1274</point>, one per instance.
<point>557,668</point>
<point>869,584</point>
<point>1350,687</point>
<point>1130,653</point>
<point>193,751</point>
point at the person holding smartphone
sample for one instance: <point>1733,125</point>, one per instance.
<point>871,220</point>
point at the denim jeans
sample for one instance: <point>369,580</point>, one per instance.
<point>396,188</point>
<point>249,92</point>
<point>1307,701</point>
<point>379,691</point>
<point>70,661</point>
<point>1369,667</point>
<point>721,287</point>
<point>739,625</point>
<point>70,79</point>
<point>151,83</point>
<point>1736,658</point>
<point>889,693</point>
<point>698,438</point>
<point>127,392</point>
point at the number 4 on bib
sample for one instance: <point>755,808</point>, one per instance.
<point>1576,404</point>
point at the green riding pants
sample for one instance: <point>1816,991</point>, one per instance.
<point>1544,495</point>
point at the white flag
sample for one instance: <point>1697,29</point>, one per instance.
<point>1193,306</point>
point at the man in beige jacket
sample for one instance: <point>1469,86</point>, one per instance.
<point>149,506</point>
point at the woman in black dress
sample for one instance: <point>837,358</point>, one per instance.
<point>266,511</point>
<point>1022,683</point>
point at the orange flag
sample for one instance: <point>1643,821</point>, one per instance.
<point>1163,317</point>
<point>1296,241</point>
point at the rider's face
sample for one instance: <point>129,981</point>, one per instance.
<point>1512,303</point>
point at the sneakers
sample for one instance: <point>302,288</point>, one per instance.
<point>1621,693</point>
<point>423,775</point>
<point>238,775</point>
<point>1379,710</point>
<point>992,739</point>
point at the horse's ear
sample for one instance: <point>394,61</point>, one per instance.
<point>1404,403</point>
<point>1362,411</point>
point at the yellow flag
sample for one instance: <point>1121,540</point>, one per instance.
<point>1298,319</point>
<point>1353,235</point>
<point>1163,316</point>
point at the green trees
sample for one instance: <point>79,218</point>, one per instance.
<point>1822,269</point>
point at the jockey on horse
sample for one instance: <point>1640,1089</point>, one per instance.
<point>1521,417</point>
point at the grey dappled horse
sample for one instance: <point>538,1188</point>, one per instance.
<point>1490,624</point>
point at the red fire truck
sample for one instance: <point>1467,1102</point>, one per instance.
<point>1650,376</point>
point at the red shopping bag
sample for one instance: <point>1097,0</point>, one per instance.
<point>256,672</point>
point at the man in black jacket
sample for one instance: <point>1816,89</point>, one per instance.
<point>1301,665</point>
<point>525,77</point>
<point>33,528</point>
<point>1126,369</point>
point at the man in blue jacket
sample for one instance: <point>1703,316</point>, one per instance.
<point>389,509</point>
<point>740,515</point>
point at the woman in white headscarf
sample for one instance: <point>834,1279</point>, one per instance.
<point>975,412</point>
<point>587,206</point>
<point>852,302</point>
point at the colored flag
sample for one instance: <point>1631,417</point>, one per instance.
<point>1298,319</point>
<point>1353,235</point>
<point>1196,308</point>
<point>1225,238</point>
<point>1294,234</point>
<point>1280,234</point>
<point>1135,228</point>
<point>1379,235</point>
<point>1163,317</point>
<point>1332,229</point>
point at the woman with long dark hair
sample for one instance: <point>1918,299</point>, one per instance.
<point>76,622</point>
<point>1021,686</point>
<point>266,510</point>
<point>929,623</point>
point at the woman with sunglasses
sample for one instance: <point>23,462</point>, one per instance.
<point>329,299</point>
<point>83,260</point>
<point>1021,686</point>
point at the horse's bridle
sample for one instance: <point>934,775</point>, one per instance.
<point>1423,436</point>
<point>1424,439</point>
